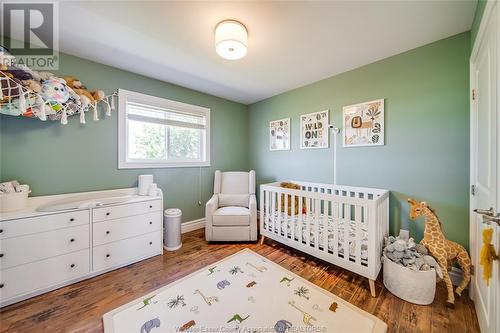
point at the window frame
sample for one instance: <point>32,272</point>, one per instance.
<point>126,96</point>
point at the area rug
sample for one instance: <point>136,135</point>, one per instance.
<point>244,292</point>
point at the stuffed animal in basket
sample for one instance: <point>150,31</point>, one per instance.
<point>487,255</point>
<point>442,249</point>
<point>296,210</point>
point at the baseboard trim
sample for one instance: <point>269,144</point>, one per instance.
<point>192,225</point>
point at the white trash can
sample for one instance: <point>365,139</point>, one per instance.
<point>172,229</point>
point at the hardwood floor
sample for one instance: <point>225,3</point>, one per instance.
<point>79,307</point>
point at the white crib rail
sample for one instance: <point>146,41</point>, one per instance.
<point>336,208</point>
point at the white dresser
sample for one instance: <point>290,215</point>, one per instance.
<point>42,251</point>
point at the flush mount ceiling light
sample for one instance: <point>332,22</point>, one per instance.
<point>231,39</point>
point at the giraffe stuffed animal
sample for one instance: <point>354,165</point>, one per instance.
<point>442,249</point>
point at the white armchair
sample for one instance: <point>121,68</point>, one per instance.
<point>231,213</point>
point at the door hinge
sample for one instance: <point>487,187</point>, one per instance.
<point>473,189</point>
<point>473,94</point>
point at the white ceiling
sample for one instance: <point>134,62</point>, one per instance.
<point>290,44</point>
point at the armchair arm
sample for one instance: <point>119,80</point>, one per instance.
<point>252,202</point>
<point>212,205</point>
<point>252,206</point>
<point>210,208</point>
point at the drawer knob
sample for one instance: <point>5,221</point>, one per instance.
<point>150,243</point>
<point>150,222</point>
<point>72,265</point>
<point>72,219</point>
<point>72,240</point>
<point>150,206</point>
<point>1,285</point>
<point>1,255</point>
<point>107,232</point>
<point>1,230</point>
<point>108,213</point>
<point>108,255</point>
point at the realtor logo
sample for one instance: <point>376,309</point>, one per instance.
<point>30,33</point>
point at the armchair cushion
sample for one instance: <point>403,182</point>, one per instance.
<point>240,200</point>
<point>231,216</point>
<point>235,182</point>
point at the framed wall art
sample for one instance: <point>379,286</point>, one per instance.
<point>314,130</point>
<point>364,124</point>
<point>279,134</point>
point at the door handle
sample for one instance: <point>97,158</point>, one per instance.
<point>491,219</point>
<point>486,212</point>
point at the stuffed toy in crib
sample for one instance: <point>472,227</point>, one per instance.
<point>293,187</point>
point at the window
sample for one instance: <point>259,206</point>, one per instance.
<point>155,132</point>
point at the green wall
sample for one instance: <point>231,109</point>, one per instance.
<point>427,133</point>
<point>54,159</point>
<point>425,156</point>
<point>478,15</point>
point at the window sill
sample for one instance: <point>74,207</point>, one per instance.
<point>145,165</point>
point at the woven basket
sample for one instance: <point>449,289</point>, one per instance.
<point>418,287</point>
<point>13,201</point>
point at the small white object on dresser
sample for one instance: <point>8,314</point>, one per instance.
<point>45,250</point>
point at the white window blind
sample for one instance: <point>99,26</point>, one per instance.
<point>156,132</point>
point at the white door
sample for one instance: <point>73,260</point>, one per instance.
<point>484,168</point>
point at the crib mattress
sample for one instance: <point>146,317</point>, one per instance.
<point>287,221</point>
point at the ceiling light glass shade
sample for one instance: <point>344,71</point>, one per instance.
<point>231,40</point>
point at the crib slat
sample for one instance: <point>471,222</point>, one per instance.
<point>262,205</point>
<point>300,222</point>
<point>279,220</point>
<point>267,210</point>
<point>336,217</point>
<point>317,208</point>
<point>286,218</point>
<point>357,219</point>
<point>347,226</point>
<point>292,219</point>
<point>326,224</point>
<point>308,221</point>
<point>273,211</point>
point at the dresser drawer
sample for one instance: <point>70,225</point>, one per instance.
<point>118,253</point>
<point>21,250</point>
<point>32,225</point>
<point>119,211</point>
<point>114,230</point>
<point>24,279</point>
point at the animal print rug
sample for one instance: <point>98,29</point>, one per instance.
<point>242,293</point>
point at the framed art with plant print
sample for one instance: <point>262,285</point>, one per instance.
<point>364,124</point>
<point>279,134</point>
<point>314,130</point>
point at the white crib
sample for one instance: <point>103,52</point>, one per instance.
<point>357,220</point>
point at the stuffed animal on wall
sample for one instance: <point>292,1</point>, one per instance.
<point>487,255</point>
<point>86,96</point>
<point>32,85</point>
<point>296,210</point>
<point>16,73</point>
<point>6,58</point>
<point>9,67</point>
<point>55,92</point>
<point>442,249</point>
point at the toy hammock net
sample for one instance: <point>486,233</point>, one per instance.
<point>18,99</point>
